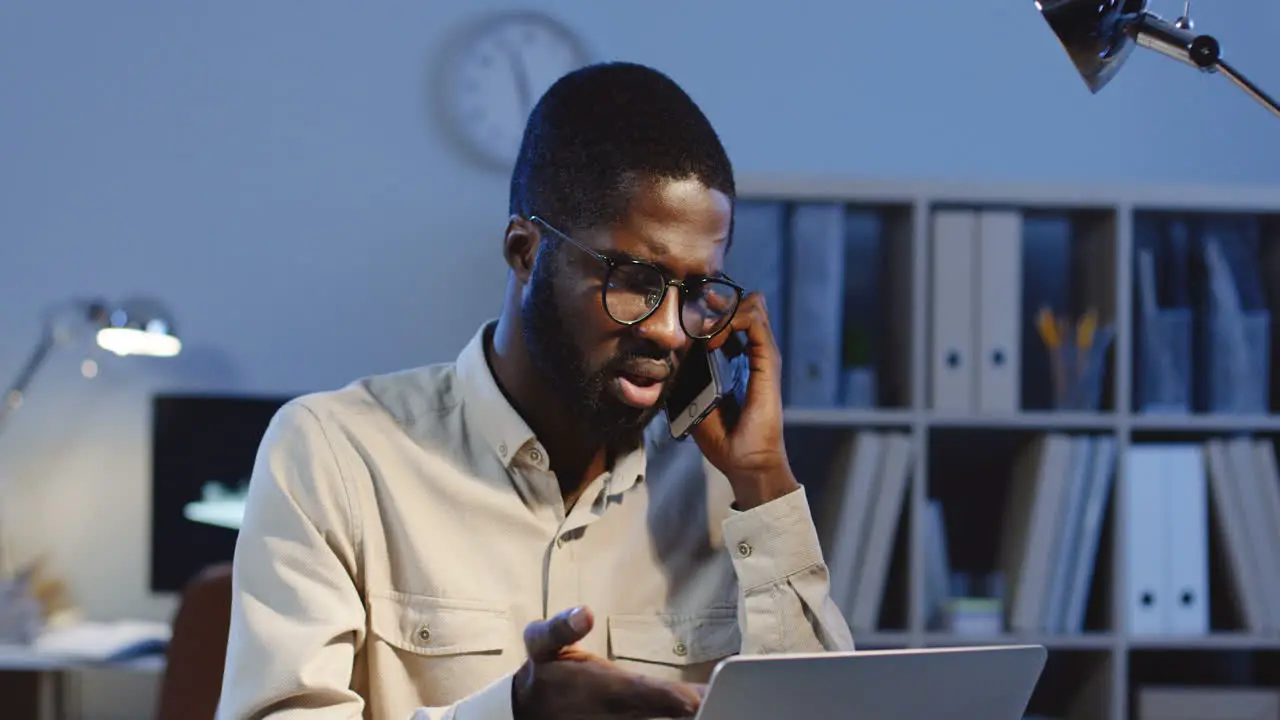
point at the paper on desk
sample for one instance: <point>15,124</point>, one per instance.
<point>106,642</point>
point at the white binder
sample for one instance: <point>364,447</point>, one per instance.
<point>1145,512</point>
<point>952,274</point>
<point>1186,546</point>
<point>999,313</point>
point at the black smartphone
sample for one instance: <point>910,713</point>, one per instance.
<point>708,380</point>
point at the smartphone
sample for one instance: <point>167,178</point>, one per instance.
<point>707,380</point>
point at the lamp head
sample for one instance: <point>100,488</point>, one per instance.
<point>1097,34</point>
<point>139,326</point>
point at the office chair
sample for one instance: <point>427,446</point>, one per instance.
<point>197,650</point>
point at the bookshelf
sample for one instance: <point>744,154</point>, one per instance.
<point>963,455</point>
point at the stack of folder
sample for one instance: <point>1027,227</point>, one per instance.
<point>864,506</point>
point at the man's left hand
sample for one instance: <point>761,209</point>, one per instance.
<point>752,453</point>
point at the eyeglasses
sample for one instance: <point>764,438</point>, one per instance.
<point>633,290</point>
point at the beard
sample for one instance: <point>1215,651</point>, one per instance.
<point>564,365</point>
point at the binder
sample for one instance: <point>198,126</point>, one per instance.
<point>999,298</point>
<point>857,469</point>
<point>952,275</point>
<point>815,317</point>
<point>757,260</point>
<point>1269,487</point>
<point>1145,517</point>
<point>1248,594</point>
<point>889,496</point>
<point>1186,546</point>
<point>1085,560</point>
<point>1068,542</point>
<point>1241,459</point>
<point>1030,524</point>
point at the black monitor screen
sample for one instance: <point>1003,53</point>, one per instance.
<point>203,448</point>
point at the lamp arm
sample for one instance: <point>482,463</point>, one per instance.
<point>1178,41</point>
<point>13,398</point>
<point>1253,90</point>
<point>85,311</point>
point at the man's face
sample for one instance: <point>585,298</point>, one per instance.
<point>618,376</point>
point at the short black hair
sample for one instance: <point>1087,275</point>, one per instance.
<point>598,132</point>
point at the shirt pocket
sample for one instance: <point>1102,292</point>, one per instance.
<point>446,648</point>
<point>685,646</point>
<point>434,626</point>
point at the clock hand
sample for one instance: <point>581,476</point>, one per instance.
<point>523,91</point>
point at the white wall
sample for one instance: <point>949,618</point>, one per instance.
<point>271,171</point>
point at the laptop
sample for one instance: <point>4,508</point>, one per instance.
<point>964,683</point>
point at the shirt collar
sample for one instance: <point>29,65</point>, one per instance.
<point>486,408</point>
<point>506,433</point>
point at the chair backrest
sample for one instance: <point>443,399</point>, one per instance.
<point>198,648</point>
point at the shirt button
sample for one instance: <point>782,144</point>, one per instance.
<point>535,455</point>
<point>680,649</point>
<point>502,449</point>
<point>560,541</point>
<point>744,550</point>
<point>424,633</point>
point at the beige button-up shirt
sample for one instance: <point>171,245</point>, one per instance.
<point>401,532</point>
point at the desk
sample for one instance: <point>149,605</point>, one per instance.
<point>58,696</point>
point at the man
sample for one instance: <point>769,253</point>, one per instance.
<point>408,537</point>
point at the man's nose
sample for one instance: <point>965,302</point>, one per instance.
<point>663,326</point>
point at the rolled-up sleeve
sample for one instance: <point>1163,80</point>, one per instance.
<point>783,583</point>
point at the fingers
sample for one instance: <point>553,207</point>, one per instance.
<point>751,318</point>
<point>544,639</point>
<point>649,698</point>
<point>596,688</point>
<point>719,302</point>
<point>677,701</point>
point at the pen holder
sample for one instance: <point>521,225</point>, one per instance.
<point>1164,362</point>
<point>1078,371</point>
<point>1236,362</point>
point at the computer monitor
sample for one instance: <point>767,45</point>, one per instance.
<point>202,448</point>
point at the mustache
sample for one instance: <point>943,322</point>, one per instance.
<point>644,354</point>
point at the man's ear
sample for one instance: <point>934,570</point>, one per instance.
<point>520,246</point>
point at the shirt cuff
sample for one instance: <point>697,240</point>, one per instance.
<point>773,541</point>
<point>490,703</point>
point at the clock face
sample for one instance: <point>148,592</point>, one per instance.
<point>496,74</point>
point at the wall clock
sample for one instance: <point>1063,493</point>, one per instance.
<point>492,75</point>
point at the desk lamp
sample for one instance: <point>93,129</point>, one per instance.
<point>1098,35</point>
<point>133,327</point>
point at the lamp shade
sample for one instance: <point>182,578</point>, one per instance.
<point>1097,34</point>
<point>137,327</point>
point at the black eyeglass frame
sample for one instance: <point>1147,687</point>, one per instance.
<point>682,286</point>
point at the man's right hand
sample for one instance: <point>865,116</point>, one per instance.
<point>562,681</point>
